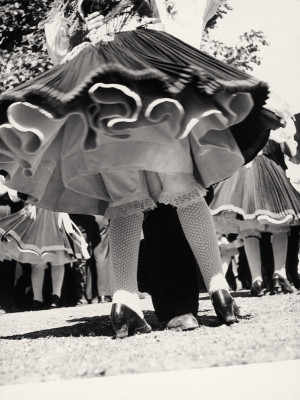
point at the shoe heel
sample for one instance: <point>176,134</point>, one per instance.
<point>225,306</point>
<point>121,330</point>
<point>276,285</point>
<point>126,322</point>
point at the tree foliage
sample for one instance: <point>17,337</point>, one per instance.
<point>23,48</point>
<point>246,51</point>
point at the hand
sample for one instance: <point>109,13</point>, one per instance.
<point>94,21</point>
<point>151,20</point>
<point>29,210</point>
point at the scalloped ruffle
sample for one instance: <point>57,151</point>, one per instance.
<point>175,111</point>
<point>135,207</point>
<point>37,241</point>
<point>183,199</point>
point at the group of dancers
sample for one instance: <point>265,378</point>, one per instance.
<point>133,116</point>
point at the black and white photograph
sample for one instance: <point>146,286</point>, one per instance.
<point>150,199</point>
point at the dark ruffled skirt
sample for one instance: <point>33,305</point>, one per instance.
<point>40,240</point>
<point>144,101</point>
<point>257,198</point>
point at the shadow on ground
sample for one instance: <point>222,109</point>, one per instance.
<point>244,293</point>
<point>101,326</point>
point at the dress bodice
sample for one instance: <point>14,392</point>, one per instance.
<point>186,20</point>
<point>106,7</point>
<point>119,16</point>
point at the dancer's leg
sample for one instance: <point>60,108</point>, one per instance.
<point>279,244</point>
<point>252,250</point>
<point>199,229</point>
<point>57,276</point>
<point>124,238</point>
<point>169,270</point>
<point>103,267</point>
<point>253,254</point>
<point>126,314</point>
<point>37,281</point>
<point>292,259</point>
<point>225,259</point>
<point>280,281</point>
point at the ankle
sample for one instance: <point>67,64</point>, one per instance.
<point>281,272</point>
<point>129,299</point>
<point>216,283</point>
<point>258,278</point>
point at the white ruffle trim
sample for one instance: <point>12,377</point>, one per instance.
<point>135,207</point>
<point>182,199</point>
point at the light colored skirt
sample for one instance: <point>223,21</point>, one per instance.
<point>258,198</point>
<point>38,241</point>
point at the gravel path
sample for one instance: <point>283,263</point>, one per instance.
<point>70,343</point>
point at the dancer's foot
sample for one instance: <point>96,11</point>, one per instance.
<point>281,284</point>
<point>55,301</point>
<point>257,288</point>
<point>183,322</point>
<point>127,322</point>
<point>37,305</point>
<point>225,306</point>
<point>81,302</point>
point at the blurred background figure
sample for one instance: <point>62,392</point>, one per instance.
<point>37,280</point>
<point>260,199</point>
<point>103,264</point>
<point>36,236</point>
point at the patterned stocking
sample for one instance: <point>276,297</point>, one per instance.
<point>124,237</point>
<point>199,229</point>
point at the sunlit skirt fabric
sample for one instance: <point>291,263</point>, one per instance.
<point>257,198</point>
<point>145,104</point>
<point>36,241</point>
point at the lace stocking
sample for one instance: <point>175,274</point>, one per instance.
<point>199,229</point>
<point>124,237</point>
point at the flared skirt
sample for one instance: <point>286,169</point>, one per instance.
<point>39,240</point>
<point>144,101</point>
<point>257,198</point>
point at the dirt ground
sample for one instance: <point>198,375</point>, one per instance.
<point>72,343</point>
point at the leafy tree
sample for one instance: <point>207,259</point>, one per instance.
<point>23,49</point>
<point>244,54</point>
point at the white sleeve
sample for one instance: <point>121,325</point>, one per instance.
<point>57,39</point>
<point>282,135</point>
<point>188,19</point>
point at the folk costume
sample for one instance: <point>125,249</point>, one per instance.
<point>129,117</point>
<point>260,198</point>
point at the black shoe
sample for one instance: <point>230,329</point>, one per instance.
<point>127,322</point>
<point>225,307</point>
<point>54,301</point>
<point>81,302</point>
<point>37,305</point>
<point>257,288</point>
<point>104,299</point>
<point>281,285</point>
<point>183,322</point>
